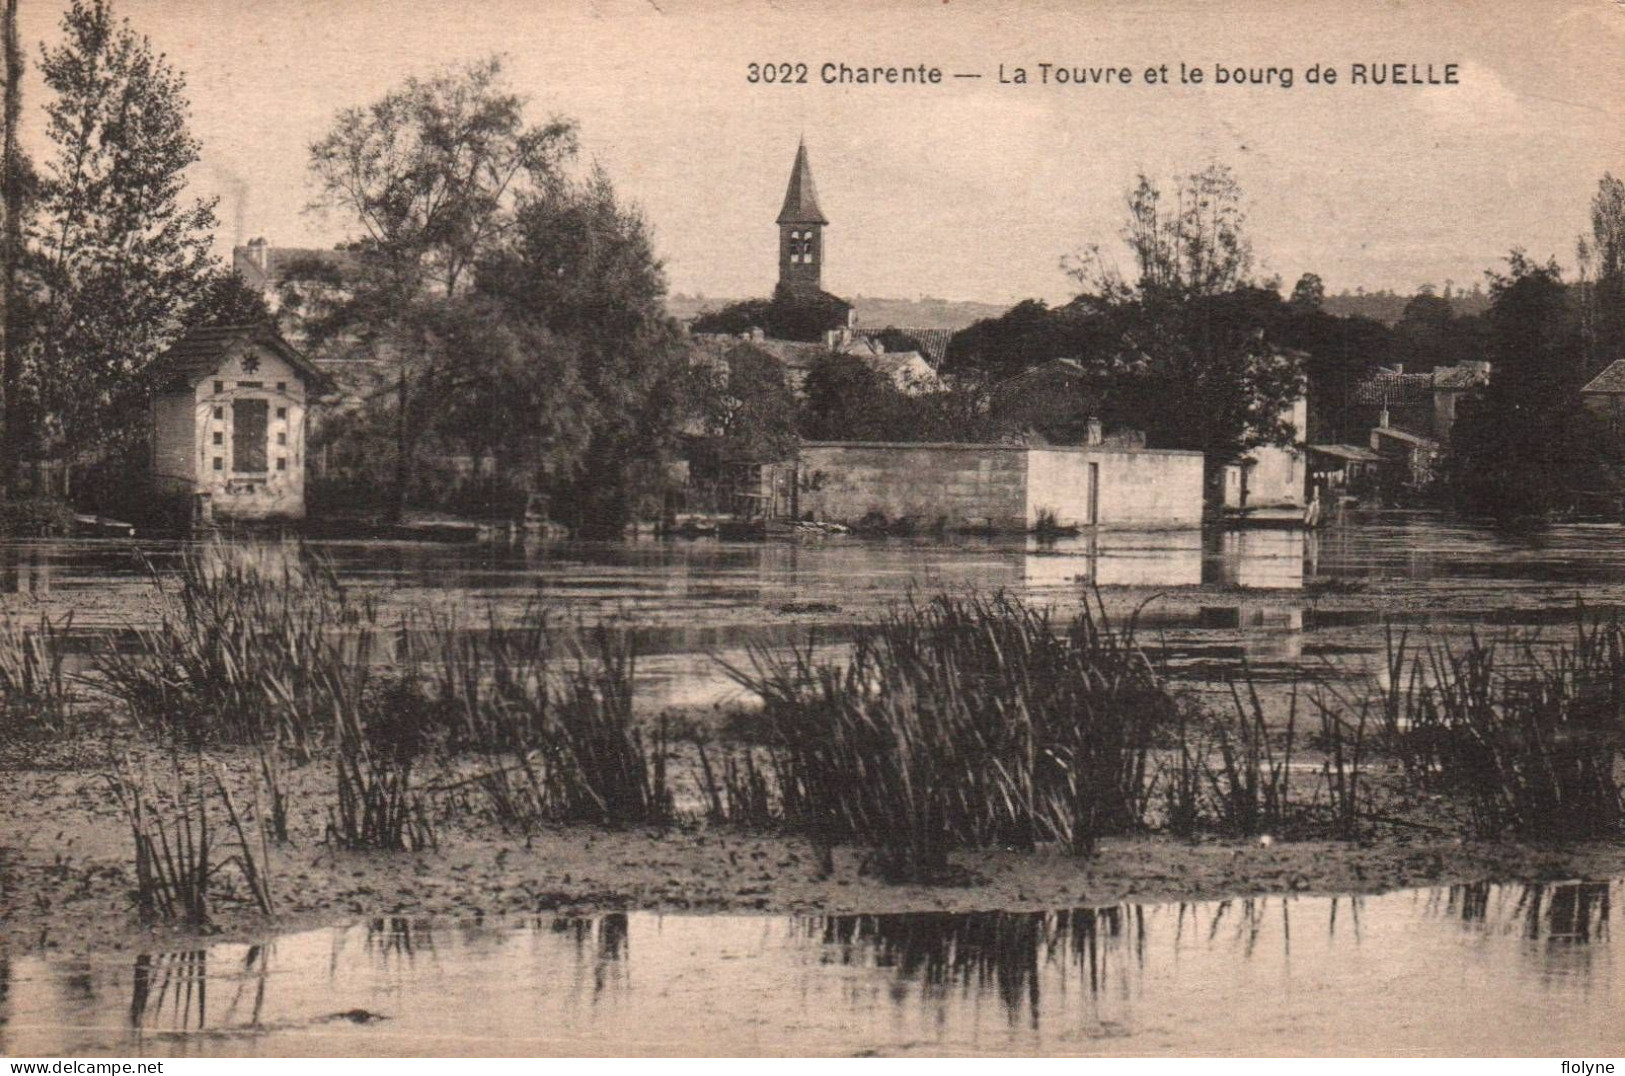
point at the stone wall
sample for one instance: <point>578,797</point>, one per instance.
<point>173,430</point>
<point>954,485</point>
<point>1137,487</point>
<point>1004,487</point>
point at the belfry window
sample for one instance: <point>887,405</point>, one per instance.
<point>801,248</point>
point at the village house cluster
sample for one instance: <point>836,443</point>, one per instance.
<point>234,414</point>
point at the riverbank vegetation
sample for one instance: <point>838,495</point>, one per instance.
<point>950,727</point>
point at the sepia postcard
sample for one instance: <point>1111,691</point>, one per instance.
<point>694,528</point>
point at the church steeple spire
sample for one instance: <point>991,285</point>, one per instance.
<point>801,199</point>
<point>801,230</point>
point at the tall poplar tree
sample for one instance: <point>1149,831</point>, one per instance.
<point>119,252</point>
<point>12,172</point>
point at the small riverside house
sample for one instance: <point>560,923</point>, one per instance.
<point>228,422</point>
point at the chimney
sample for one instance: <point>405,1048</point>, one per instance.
<point>1399,368</point>
<point>1096,435</point>
<point>1382,420</point>
<point>260,254</point>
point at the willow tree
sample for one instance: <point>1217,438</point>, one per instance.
<point>1195,362</point>
<point>428,177</point>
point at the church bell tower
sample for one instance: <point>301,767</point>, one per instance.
<point>801,231</point>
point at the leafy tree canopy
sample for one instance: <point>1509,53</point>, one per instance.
<point>789,315</point>
<point>117,252</point>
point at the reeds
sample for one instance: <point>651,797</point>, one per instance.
<point>963,722</point>
<point>599,768</point>
<point>237,653</point>
<point>549,716</point>
<point>736,791</point>
<point>1252,783</point>
<point>172,857</point>
<point>1343,767</point>
<point>34,690</point>
<point>176,853</point>
<point>378,737</point>
<point>1529,736</point>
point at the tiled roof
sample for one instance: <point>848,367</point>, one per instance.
<point>933,342</point>
<point>1460,376</point>
<point>1610,381</point>
<point>1353,453</point>
<point>801,198</point>
<point>202,351</point>
<point>1387,387</point>
<point>792,353</point>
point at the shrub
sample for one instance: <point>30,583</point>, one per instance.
<point>36,517</point>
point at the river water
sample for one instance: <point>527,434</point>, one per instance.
<point>1484,969</point>
<point>1461,971</point>
<point>1289,604</point>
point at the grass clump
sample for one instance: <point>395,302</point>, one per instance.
<point>1252,780</point>
<point>176,855</point>
<point>238,655</point>
<point>34,689</point>
<point>549,716</point>
<point>961,723</point>
<point>1529,736</point>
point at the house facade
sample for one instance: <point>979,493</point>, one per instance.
<point>1604,396</point>
<point>1272,476</point>
<point>229,423</point>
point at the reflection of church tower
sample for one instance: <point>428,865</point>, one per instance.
<point>801,231</point>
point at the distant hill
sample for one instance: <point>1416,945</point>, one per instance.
<point>873,313</point>
<point>928,313</point>
<point>1388,306</point>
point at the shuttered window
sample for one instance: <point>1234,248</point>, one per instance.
<point>248,436</point>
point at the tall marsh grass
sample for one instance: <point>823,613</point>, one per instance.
<point>239,649</point>
<point>177,855</point>
<point>549,712</point>
<point>960,723</point>
<point>1529,735</point>
<point>34,688</point>
<point>261,646</point>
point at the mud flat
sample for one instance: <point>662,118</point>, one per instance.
<point>66,870</point>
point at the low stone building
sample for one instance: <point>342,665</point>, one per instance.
<point>997,487</point>
<point>1407,462</point>
<point>1343,470</point>
<point>1272,476</point>
<point>229,417</point>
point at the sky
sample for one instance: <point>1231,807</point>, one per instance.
<point>972,188</point>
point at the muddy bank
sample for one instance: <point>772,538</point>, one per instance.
<point>66,869</point>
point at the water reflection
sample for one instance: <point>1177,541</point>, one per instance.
<point>25,569</point>
<point>170,991</point>
<point>1555,913</point>
<point>1000,951</point>
<point>1381,974</point>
